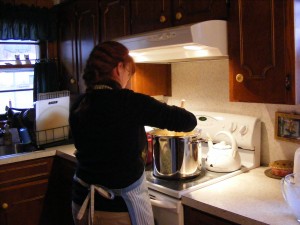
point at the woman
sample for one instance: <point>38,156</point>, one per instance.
<point>107,124</point>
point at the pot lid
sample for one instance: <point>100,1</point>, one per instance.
<point>222,145</point>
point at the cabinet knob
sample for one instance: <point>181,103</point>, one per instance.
<point>178,16</point>
<point>239,78</point>
<point>162,19</point>
<point>4,206</point>
<point>72,81</point>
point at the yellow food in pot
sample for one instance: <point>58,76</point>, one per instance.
<point>159,132</point>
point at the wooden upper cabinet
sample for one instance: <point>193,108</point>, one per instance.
<point>262,51</point>
<point>115,19</point>
<point>87,17</point>
<point>67,47</point>
<point>159,14</point>
<point>150,15</point>
<point>193,11</point>
<point>78,34</point>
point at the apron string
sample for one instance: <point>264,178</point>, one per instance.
<point>104,192</point>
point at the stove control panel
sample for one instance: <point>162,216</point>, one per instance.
<point>245,129</point>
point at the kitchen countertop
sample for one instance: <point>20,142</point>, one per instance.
<point>65,151</point>
<point>249,198</point>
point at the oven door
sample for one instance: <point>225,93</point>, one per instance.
<point>166,210</point>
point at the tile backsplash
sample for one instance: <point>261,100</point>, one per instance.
<point>205,86</point>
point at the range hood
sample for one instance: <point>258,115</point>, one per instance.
<point>205,40</point>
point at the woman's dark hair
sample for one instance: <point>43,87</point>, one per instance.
<point>102,60</point>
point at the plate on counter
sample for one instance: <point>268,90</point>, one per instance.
<point>52,120</point>
<point>269,173</point>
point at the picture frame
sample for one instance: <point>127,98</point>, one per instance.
<point>287,127</point>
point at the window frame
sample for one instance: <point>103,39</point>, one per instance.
<point>6,69</point>
<point>21,42</point>
<point>42,46</point>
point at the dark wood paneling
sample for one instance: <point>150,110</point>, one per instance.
<point>152,79</point>
<point>195,217</point>
<point>87,35</point>
<point>115,19</point>
<point>57,207</point>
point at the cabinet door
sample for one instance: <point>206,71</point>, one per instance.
<point>150,15</point>
<point>195,217</point>
<point>23,186</point>
<point>261,51</point>
<point>87,35</point>
<point>23,204</point>
<point>115,19</point>
<point>67,48</point>
<point>193,11</point>
<point>78,34</point>
<point>58,200</point>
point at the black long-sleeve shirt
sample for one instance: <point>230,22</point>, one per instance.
<point>110,140</point>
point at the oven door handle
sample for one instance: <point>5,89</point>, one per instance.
<point>164,204</point>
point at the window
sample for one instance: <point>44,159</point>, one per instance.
<point>16,73</point>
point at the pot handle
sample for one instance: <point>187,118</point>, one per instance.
<point>199,155</point>
<point>283,188</point>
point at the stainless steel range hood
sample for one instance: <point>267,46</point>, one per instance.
<point>205,40</point>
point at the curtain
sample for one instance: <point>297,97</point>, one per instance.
<point>23,22</point>
<point>46,77</point>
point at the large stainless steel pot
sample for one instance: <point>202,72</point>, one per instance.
<point>176,155</point>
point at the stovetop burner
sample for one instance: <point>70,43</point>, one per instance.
<point>179,185</point>
<point>247,132</point>
<point>176,188</point>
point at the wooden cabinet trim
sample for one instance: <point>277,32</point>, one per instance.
<point>30,199</point>
<point>24,185</point>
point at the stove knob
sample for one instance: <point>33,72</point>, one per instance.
<point>243,130</point>
<point>232,127</point>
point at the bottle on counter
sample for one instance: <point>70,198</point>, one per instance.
<point>7,136</point>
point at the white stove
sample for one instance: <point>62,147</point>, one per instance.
<point>247,133</point>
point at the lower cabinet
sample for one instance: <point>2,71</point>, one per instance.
<point>57,207</point>
<point>23,186</point>
<point>195,217</point>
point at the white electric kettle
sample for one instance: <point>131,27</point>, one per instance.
<point>222,157</point>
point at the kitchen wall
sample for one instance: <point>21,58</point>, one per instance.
<point>205,86</point>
